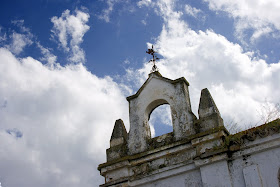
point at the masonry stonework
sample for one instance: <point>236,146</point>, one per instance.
<point>199,152</point>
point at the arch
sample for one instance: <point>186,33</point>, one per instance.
<point>160,121</point>
<point>157,91</point>
<point>152,106</point>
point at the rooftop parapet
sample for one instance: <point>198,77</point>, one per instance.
<point>118,142</point>
<point>209,115</point>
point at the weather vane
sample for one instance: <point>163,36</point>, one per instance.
<point>152,52</point>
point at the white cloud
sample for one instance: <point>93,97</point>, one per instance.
<point>65,116</point>
<point>192,11</point>
<point>144,3</point>
<point>3,36</point>
<point>19,42</point>
<point>261,16</point>
<point>20,25</point>
<point>70,30</point>
<point>160,117</point>
<point>164,114</point>
<point>152,129</point>
<point>106,12</point>
<point>144,22</point>
<point>238,83</point>
<point>47,55</point>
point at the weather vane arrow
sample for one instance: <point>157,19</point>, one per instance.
<point>153,53</point>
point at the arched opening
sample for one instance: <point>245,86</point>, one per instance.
<point>160,120</point>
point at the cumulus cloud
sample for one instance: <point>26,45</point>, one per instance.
<point>239,83</point>
<point>163,113</point>
<point>21,26</point>
<point>192,11</point>
<point>160,120</point>
<point>18,40</point>
<point>144,3</point>
<point>3,36</point>
<point>106,12</point>
<point>70,30</point>
<point>48,56</point>
<point>261,16</point>
<point>55,122</point>
<point>144,22</point>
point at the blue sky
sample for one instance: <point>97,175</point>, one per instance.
<point>66,68</point>
<point>106,44</point>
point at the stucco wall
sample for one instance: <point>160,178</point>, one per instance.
<point>188,179</point>
<point>256,166</point>
<point>265,162</point>
<point>199,152</point>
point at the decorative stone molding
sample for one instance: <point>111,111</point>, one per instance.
<point>198,152</point>
<point>233,142</point>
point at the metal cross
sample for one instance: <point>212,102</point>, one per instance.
<point>152,52</point>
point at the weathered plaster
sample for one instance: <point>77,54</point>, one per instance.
<point>155,92</point>
<point>217,174</point>
<point>199,152</point>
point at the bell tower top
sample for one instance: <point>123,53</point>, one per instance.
<point>134,156</point>
<point>158,90</point>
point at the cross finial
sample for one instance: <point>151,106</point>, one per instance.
<point>152,52</point>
